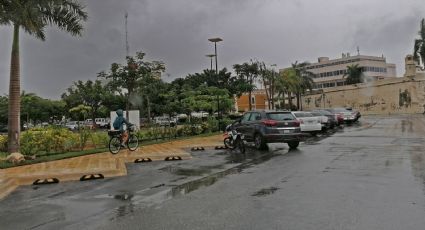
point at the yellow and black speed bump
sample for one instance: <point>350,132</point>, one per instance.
<point>198,149</point>
<point>220,147</point>
<point>46,181</point>
<point>175,158</point>
<point>142,160</point>
<point>92,177</point>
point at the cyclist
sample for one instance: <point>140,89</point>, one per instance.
<point>119,125</point>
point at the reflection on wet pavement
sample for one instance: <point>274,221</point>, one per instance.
<point>265,191</point>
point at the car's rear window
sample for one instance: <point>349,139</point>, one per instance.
<point>316,113</point>
<point>323,112</point>
<point>340,110</point>
<point>303,114</point>
<point>280,116</point>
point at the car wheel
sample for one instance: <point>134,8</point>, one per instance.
<point>259,142</point>
<point>293,144</point>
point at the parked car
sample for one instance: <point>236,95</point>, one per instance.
<point>165,121</point>
<point>200,114</point>
<point>357,113</point>
<point>324,120</point>
<point>339,117</point>
<point>262,127</point>
<point>332,119</point>
<point>348,116</point>
<point>102,123</point>
<point>72,125</point>
<point>308,122</point>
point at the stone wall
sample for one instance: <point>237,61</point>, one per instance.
<point>389,96</point>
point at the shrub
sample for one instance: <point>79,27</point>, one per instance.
<point>100,139</point>
<point>84,135</point>
<point>51,139</point>
<point>141,135</point>
<point>3,143</point>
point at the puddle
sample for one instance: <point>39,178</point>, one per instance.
<point>265,191</point>
<point>123,196</point>
<point>191,172</point>
<point>124,210</point>
<point>142,200</point>
<point>202,170</point>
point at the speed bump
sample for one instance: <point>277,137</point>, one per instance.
<point>142,160</point>
<point>198,149</point>
<point>92,177</point>
<point>220,147</point>
<point>46,181</point>
<point>174,158</point>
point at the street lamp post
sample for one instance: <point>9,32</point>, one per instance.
<point>215,40</point>
<point>211,59</point>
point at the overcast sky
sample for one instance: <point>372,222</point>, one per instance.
<point>177,31</point>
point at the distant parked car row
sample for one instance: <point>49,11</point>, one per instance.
<point>269,126</point>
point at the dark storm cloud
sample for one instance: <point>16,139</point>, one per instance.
<point>176,32</point>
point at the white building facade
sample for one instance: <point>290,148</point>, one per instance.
<point>330,73</point>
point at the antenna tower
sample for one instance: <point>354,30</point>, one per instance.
<point>127,47</point>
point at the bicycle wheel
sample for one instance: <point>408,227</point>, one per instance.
<point>132,142</point>
<point>114,145</point>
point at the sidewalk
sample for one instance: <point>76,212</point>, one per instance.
<point>103,163</point>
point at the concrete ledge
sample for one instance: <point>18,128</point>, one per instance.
<point>7,186</point>
<point>108,165</point>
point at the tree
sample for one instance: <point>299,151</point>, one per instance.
<point>33,16</point>
<point>354,75</point>
<point>268,78</point>
<point>126,79</point>
<point>223,79</point>
<point>419,48</point>
<point>286,84</point>
<point>89,93</point>
<point>247,72</point>
<point>4,101</point>
<point>304,80</point>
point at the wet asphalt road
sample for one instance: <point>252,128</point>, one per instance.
<point>369,175</point>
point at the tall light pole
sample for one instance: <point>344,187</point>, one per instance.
<point>211,59</point>
<point>215,40</point>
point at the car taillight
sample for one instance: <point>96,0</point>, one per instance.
<point>300,121</point>
<point>297,123</point>
<point>270,123</point>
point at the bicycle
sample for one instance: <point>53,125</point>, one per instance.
<point>115,140</point>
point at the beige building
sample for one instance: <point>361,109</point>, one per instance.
<point>330,73</point>
<point>388,96</point>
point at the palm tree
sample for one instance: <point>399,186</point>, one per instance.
<point>249,73</point>
<point>419,49</point>
<point>286,84</point>
<point>33,16</point>
<point>354,74</point>
<point>304,80</point>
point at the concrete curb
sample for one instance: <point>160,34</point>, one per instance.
<point>108,165</point>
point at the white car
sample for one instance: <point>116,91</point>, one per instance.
<point>308,122</point>
<point>72,125</point>
<point>165,121</point>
